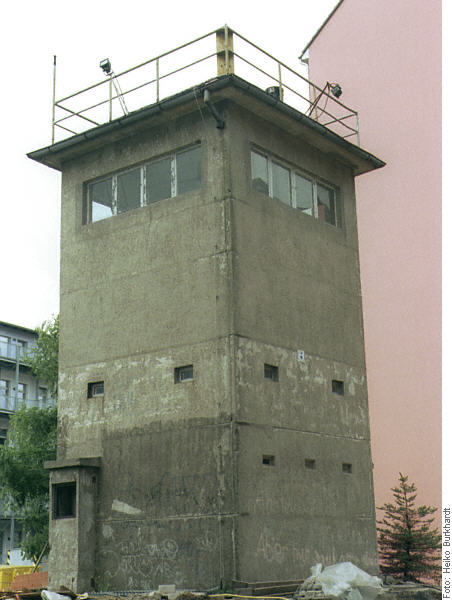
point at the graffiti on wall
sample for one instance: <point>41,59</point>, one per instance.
<point>271,549</point>
<point>151,555</point>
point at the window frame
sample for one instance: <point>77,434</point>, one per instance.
<point>5,345</point>
<point>21,391</point>
<point>3,436</point>
<point>294,171</point>
<point>56,488</point>
<point>91,390</point>
<point>338,387</point>
<point>113,178</point>
<point>6,388</point>
<point>180,372</point>
<point>271,372</point>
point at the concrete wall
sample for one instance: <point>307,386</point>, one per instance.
<point>163,302</point>
<point>73,539</point>
<point>296,286</point>
<point>225,279</point>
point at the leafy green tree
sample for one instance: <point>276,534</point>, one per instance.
<point>31,440</point>
<point>43,360</point>
<point>408,545</point>
<point>25,483</point>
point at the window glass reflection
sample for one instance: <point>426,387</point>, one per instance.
<point>281,183</point>
<point>158,180</point>
<point>101,196</point>
<point>188,170</point>
<point>259,173</point>
<point>129,187</point>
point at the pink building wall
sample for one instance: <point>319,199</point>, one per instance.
<point>386,55</point>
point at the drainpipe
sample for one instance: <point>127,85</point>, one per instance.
<point>213,111</point>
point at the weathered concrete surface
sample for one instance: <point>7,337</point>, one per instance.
<point>226,279</point>
<point>72,540</point>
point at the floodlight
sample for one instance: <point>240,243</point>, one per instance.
<point>105,65</point>
<point>336,89</point>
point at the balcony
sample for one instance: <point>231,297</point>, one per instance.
<point>220,53</point>
<point>9,404</point>
<point>12,352</point>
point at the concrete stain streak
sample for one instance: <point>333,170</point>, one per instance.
<point>125,508</point>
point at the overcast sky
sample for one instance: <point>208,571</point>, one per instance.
<point>81,34</point>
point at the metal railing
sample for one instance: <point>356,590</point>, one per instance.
<point>220,52</point>
<point>10,404</point>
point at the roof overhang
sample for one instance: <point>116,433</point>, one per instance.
<point>18,328</point>
<point>227,87</point>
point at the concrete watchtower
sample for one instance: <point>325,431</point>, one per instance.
<point>213,419</point>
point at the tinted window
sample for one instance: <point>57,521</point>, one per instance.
<point>158,180</point>
<point>325,202</point>
<point>281,183</point>
<point>129,188</point>
<point>259,173</point>
<point>188,167</point>
<point>303,194</point>
<point>101,196</point>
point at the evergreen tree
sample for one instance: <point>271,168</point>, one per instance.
<point>408,546</point>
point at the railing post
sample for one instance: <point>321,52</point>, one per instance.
<point>280,82</point>
<point>110,102</point>
<point>157,77</point>
<point>225,51</point>
<point>53,101</point>
<point>358,143</point>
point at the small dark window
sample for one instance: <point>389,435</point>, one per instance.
<point>346,468</point>
<point>271,372</point>
<point>309,463</point>
<point>269,460</point>
<point>96,388</point>
<point>183,374</point>
<point>64,499</point>
<point>337,387</point>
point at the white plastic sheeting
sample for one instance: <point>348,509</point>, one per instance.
<point>344,580</point>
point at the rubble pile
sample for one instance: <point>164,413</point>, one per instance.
<point>343,581</point>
